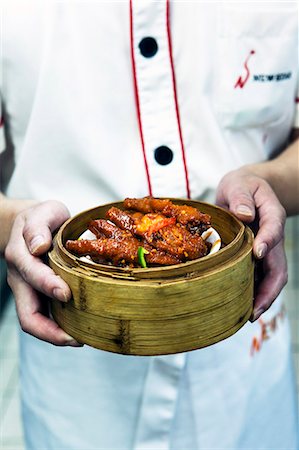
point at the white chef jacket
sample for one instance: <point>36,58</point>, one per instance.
<point>103,100</point>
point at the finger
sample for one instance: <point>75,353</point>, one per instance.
<point>41,277</point>
<point>241,203</point>
<point>41,223</point>
<point>272,220</point>
<point>32,269</point>
<point>275,268</point>
<point>32,321</point>
<point>237,197</point>
<point>255,194</point>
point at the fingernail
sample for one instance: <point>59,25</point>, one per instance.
<point>60,294</point>
<point>244,210</point>
<point>36,243</point>
<point>72,342</point>
<point>256,314</point>
<point>261,250</point>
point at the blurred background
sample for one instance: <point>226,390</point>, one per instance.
<point>11,436</point>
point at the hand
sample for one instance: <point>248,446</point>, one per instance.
<point>32,281</point>
<point>251,198</point>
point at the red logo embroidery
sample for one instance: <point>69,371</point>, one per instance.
<point>242,81</point>
<point>267,330</point>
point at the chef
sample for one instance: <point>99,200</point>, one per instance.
<point>104,100</point>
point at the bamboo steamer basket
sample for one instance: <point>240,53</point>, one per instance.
<point>155,311</point>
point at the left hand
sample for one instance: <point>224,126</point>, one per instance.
<point>251,198</point>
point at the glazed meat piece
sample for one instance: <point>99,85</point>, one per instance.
<point>178,241</point>
<point>170,234</point>
<point>122,219</point>
<point>120,248</point>
<point>161,233</point>
<point>113,250</point>
<point>102,227</point>
<point>147,224</point>
<point>159,257</point>
<point>137,223</point>
<point>110,230</point>
<point>146,204</point>
<point>184,214</point>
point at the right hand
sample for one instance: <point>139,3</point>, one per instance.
<point>250,197</point>
<point>33,283</point>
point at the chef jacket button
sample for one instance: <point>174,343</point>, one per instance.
<point>148,47</point>
<point>163,155</point>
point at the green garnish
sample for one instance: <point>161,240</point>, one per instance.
<point>141,259</point>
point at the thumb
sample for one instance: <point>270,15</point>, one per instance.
<point>242,205</point>
<point>238,197</point>
<point>40,222</point>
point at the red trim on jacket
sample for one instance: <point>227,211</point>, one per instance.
<point>176,98</point>
<point>137,100</point>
